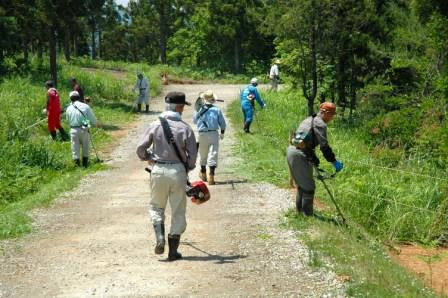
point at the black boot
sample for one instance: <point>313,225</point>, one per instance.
<point>64,135</point>
<point>85,162</point>
<point>299,200</point>
<point>247,127</point>
<point>307,202</point>
<point>139,108</point>
<point>173,243</point>
<point>53,135</point>
<point>147,109</point>
<point>77,162</point>
<point>159,229</point>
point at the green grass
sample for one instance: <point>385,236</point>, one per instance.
<point>380,192</point>
<point>362,260</point>
<point>393,196</point>
<point>33,168</point>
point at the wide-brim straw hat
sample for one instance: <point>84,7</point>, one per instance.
<point>208,96</point>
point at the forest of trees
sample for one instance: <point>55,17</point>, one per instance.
<point>385,57</point>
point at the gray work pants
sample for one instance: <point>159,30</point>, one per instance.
<point>168,183</point>
<point>302,172</point>
<point>79,138</point>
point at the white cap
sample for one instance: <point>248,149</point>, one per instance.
<point>254,81</point>
<point>74,94</point>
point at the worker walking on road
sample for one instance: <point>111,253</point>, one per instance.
<point>53,111</point>
<point>301,155</point>
<point>142,85</point>
<point>274,77</point>
<point>169,173</point>
<point>248,97</point>
<point>80,117</point>
<point>211,127</point>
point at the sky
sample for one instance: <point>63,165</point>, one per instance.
<point>122,2</point>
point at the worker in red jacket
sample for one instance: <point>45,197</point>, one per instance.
<point>54,112</point>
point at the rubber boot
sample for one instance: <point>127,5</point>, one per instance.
<point>147,109</point>
<point>53,135</point>
<point>64,135</point>
<point>159,230</point>
<point>203,174</point>
<point>139,108</point>
<point>173,243</point>
<point>211,176</point>
<point>299,200</point>
<point>85,162</point>
<point>247,127</point>
<point>307,203</point>
<point>77,162</point>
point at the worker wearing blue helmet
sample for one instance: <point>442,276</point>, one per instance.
<point>248,97</point>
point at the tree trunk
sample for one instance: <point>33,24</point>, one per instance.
<point>52,45</point>
<point>236,53</point>
<point>163,30</point>
<point>100,52</point>
<point>39,52</point>
<point>313,62</point>
<point>93,40</point>
<point>67,45</point>
<point>25,49</point>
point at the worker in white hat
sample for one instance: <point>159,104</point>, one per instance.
<point>274,77</point>
<point>80,118</point>
<point>211,126</point>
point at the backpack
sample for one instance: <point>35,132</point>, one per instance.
<point>301,139</point>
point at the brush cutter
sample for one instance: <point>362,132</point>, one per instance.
<point>94,149</point>
<point>323,175</point>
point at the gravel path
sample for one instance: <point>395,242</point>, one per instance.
<point>97,239</point>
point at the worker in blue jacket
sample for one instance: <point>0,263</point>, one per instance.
<point>248,97</point>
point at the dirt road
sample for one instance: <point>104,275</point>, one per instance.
<point>97,240</point>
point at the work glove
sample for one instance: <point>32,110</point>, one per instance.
<point>221,136</point>
<point>338,165</point>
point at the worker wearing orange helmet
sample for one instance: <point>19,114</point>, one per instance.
<point>302,158</point>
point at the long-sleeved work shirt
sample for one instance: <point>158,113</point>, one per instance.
<point>75,117</point>
<point>273,73</point>
<point>251,90</point>
<point>317,127</point>
<point>208,118</point>
<point>142,86</point>
<point>161,151</point>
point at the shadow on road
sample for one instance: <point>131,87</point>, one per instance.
<point>209,257</point>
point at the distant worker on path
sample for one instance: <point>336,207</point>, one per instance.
<point>301,155</point>
<point>209,120</point>
<point>53,111</point>
<point>76,87</point>
<point>274,77</point>
<point>142,85</point>
<point>169,172</point>
<point>80,117</point>
<point>248,97</point>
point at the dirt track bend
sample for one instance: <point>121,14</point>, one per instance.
<point>97,239</point>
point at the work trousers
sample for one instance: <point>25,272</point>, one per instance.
<point>274,84</point>
<point>302,172</point>
<point>168,183</point>
<point>79,138</point>
<point>143,98</point>
<point>248,111</point>
<point>209,148</point>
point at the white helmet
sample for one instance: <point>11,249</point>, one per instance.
<point>254,81</point>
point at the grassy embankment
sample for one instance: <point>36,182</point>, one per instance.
<point>34,169</point>
<point>380,193</point>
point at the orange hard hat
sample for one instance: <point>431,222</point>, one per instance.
<point>328,107</point>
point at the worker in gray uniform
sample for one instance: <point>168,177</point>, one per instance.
<point>169,173</point>
<point>80,117</point>
<point>301,155</point>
